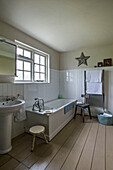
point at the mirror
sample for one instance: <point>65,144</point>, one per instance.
<point>7,58</point>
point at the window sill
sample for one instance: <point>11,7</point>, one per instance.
<point>21,82</point>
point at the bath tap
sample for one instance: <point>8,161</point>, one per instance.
<point>42,104</point>
<point>38,104</point>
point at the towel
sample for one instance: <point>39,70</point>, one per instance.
<point>20,115</point>
<point>107,115</point>
<point>94,88</point>
<point>94,76</point>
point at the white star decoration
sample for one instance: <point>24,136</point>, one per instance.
<point>82,59</point>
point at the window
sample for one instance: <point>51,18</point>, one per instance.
<point>32,65</point>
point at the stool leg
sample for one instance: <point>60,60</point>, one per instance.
<point>33,143</point>
<point>83,115</point>
<point>45,137</point>
<point>89,112</point>
<point>75,112</point>
<point>81,111</point>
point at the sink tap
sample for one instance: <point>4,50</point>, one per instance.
<point>8,98</point>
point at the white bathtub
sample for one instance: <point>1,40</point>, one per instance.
<point>58,104</point>
<point>62,112</point>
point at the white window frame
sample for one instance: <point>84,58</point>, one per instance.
<point>31,60</point>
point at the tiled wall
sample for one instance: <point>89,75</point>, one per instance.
<point>28,92</point>
<point>68,83</point>
<point>11,89</point>
<point>47,91</point>
<point>72,86</point>
<point>72,83</point>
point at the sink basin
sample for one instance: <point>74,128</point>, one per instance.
<point>7,108</point>
<point>10,106</point>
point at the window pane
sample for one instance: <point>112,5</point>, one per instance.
<point>42,60</point>
<point>27,66</point>
<point>42,69</point>
<point>20,75</point>
<point>36,76</point>
<point>19,51</point>
<point>42,76</point>
<point>27,54</point>
<point>19,65</point>
<point>27,75</point>
<point>36,68</point>
<point>36,58</point>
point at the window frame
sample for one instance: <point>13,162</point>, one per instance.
<point>31,60</point>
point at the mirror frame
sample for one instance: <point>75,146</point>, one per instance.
<point>13,44</point>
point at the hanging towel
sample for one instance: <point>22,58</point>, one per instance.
<point>94,76</point>
<point>94,88</point>
<point>20,115</point>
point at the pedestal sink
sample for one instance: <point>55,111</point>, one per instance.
<point>7,109</point>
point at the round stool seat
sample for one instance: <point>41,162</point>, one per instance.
<point>37,129</point>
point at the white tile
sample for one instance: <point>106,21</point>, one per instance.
<point>4,90</point>
<point>71,84</point>
<point>9,89</point>
<point>1,93</point>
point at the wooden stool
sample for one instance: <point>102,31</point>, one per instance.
<point>82,107</point>
<point>36,130</point>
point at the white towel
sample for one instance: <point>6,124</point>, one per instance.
<point>107,115</point>
<point>94,76</point>
<point>94,88</point>
<point>20,115</point>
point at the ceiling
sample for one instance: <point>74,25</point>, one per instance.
<point>63,25</point>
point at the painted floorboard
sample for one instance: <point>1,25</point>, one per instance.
<point>60,157</point>
<point>4,159</point>
<point>10,165</point>
<point>56,144</point>
<point>73,157</point>
<point>86,157</point>
<point>21,167</point>
<point>99,152</point>
<point>109,147</point>
<point>79,146</point>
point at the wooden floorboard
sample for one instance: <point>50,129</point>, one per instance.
<point>4,159</point>
<point>45,151</point>
<point>55,146</point>
<point>109,147</point>
<point>21,167</point>
<point>86,156</point>
<point>98,162</point>
<point>73,157</point>
<point>79,146</point>
<point>60,157</point>
<point>11,164</point>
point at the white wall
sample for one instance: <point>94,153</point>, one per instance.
<point>97,54</point>
<point>13,34</point>
<point>74,88</point>
<point>30,91</point>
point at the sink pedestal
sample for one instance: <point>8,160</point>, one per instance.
<point>5,133</point>
<point>6,111</point>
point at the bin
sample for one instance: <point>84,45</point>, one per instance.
<point>104,119</point>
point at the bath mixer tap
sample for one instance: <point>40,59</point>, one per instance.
<point>39,104</point>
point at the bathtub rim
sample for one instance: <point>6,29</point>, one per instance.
<point>52,110</point>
